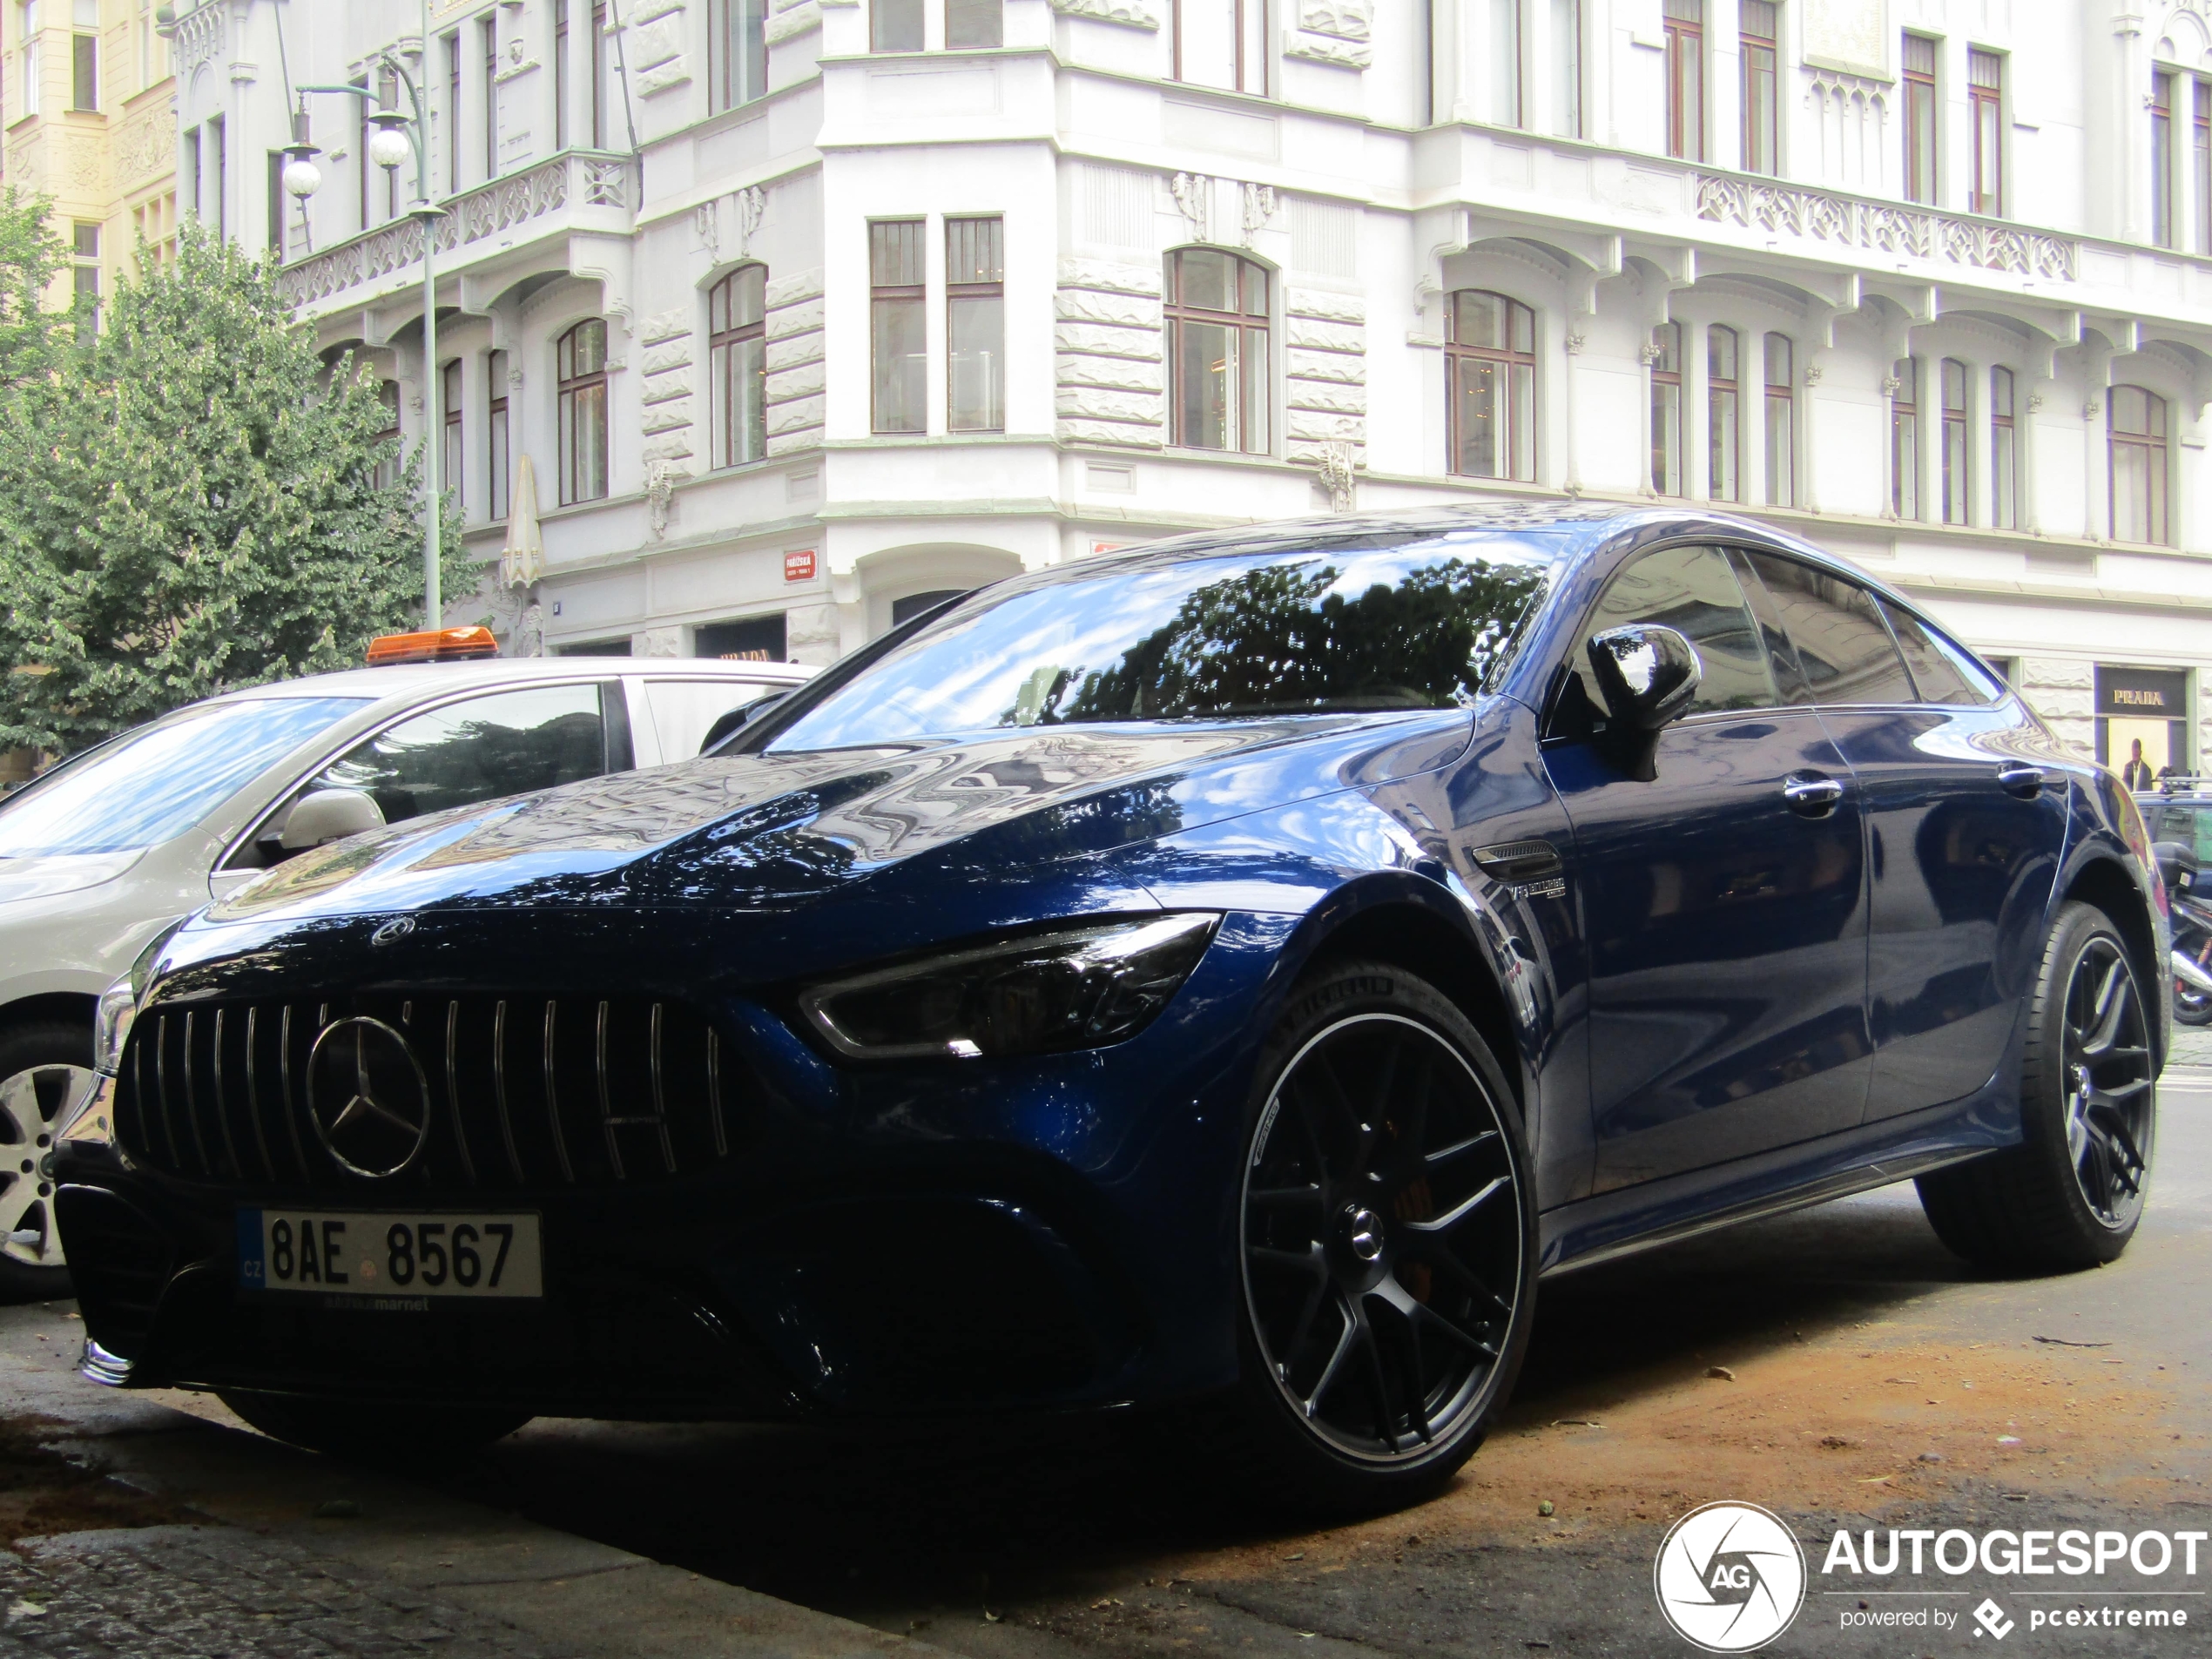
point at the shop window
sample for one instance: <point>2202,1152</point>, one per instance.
<point>755,639</point>
<point>2136,425</point>
<point>1781,421</point>
<point>898,326</point>
<point>737,348</point>
<point>1666,410</point>
<point>2004,441</point>
<point>1953,377</point>
<point>1985,100</point>
<point>1723,415</point>
<point>1685,21</point>
<point>1758,36</point>
<point>580,382</point>
<point>1919,119</point>
<point>2142,723</point>
<point>976,324</point>
<point>1220,383</point>
<point>1904,439</point>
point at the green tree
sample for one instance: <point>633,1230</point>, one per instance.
<point>31,258</point>
<point>190,503</point>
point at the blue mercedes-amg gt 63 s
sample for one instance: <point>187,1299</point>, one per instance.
<point>1225,975</point>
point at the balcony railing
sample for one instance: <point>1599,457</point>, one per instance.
<point>576,178</point>
<point>1920,233</point>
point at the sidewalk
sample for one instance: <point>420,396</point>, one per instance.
<point>2192,1046</point>
<point>258,1550</point>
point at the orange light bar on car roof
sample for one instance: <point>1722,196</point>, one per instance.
<point>433,646</point>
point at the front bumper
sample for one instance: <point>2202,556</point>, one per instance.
<point>1051,1232</point>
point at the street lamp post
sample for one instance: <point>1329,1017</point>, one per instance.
<point>397,135</point>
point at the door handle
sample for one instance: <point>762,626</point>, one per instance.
<point>1811,794</point>
<point>2027,782</point>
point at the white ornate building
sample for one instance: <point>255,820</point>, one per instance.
<point>802,315</point>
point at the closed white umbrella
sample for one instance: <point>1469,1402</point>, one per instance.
<point>522,561</point>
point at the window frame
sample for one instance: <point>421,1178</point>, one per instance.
<point>1955,463</point>
<point>2160,109</point>
<point>1761,56</point>
<point>488,46</point>
<point>1684,25</point>
<point>386,471</point>
<point>724,342</point>
<point>452,391</point>
<point>1177,313</point>
<point>2004,450</point>
<point>1986,132</point>
<point>84,73</point>
<point>1667,456</point>
<point>1247,34</point>
<point>2156,446</point>
<point>1506,360</point>
<point>737,54</point>
<point>451,41</point>
<point>1923,119</point>
<point>997,11</point>
<point>1779,408</point>
<point>903,295</point>
<point>1905,440</point>
<point>880,15</point>
<point>1723,416</point>
<point>498,438</point>
<point>571,389</point>
<point>956,291</point>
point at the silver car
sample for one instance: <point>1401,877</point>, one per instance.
<point>106,849</point>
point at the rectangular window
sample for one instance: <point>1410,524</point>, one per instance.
<point>1985,99</point>
<point>899,326</point>
<point>85,73</point>
<point>388,96</point>
<point>737,348</point>
<point>738,60</point>
<point>1781,421</point>
<point>453,112</point>
<point>449,396</point>
<point>1221,42</point>
<point>222,162</point>
<point>1757,26</point>
<point>1920,119</point>
<point>276,206</point>
<point>2135,423</point>
<point>2200,159</point>
<point>192,169</point>
<point>2004,486</point>
<point>580,402</point>
<point>973,22</point>
<point>387,439</point>
<point>1220,395</point>
<point>28,26</point>
<point>976,324</point>
<point>1566,68</point>
<point>2161,159</point>
<point>1954,374</point>
<point>1490,376</point>
<point>895,25</point>
<point>487,48</point>
<point>85,246</point>
<point>1505,62</point>
<point>1686,79</point>
<point>362,130</point>
<point>1666,410</point>
<point>495,439</point>
<point>1723,415</point>
<point>601,93</point>
<point>1904,439</point>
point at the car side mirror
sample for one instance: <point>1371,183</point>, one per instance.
<point>2177,865</point>
<point>736,719</point>
<point>1647,675</point>
<point>329,815</point>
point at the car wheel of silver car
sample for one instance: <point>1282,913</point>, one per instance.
<point>1387,1242</point>
<point>2071,1194</point>
<point>45,1069</point>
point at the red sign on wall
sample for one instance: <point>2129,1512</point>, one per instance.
<point>799,566</point>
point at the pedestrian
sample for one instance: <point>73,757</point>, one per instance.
<point>2136,773</point>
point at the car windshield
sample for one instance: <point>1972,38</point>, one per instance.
<point>156,782</point>
<point>1410,624</point>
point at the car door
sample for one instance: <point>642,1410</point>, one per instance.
<point>685,710</point>
<point>1963,837</point>
<point>1721,901</point>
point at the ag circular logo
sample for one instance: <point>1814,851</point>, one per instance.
<point>368,1097</point>
<point>1730,1577</point>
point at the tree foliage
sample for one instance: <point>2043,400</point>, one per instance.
<point>189,503</point>
<point>31,257</point>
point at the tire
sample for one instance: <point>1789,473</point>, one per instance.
<point>2191,1007</point>
<point>45,1065</point>
<point>2071,1194</point>
<point>1386,1237</point>
<point>361,1431</point>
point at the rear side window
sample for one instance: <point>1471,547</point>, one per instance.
<point>1692,590</point>
<point>477,749</point>
<point>685,710</point>
<point>1944,673</point>
<point>1843,644</point>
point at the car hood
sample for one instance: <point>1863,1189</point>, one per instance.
<point>770,832</point>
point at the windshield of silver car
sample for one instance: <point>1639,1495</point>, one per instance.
<point>152,784</point>
<point>1416,624</point>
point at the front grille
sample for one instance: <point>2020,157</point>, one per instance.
<point>522,1091</point>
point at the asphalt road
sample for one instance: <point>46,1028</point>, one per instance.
<point>1871,1381</point>
<point>1876,1382</point>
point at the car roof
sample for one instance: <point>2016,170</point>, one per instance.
<point>415,679</point>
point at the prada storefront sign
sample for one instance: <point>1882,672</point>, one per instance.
<point>2146,693</point>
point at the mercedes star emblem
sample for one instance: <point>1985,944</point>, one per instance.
<point>368,1097</point>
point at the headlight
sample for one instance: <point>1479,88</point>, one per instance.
<point>1079,987</point>
<point>119,1004</point>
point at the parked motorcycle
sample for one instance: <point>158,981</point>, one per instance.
<point>2192,917</point>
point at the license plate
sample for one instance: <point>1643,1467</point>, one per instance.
<point>396,1258</point>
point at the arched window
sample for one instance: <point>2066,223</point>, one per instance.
<point>1220,383</point>
<point>580,375</point>
<point>1723,413</point>
<point>1781,421</point>
<point>2004,488</point>
<point>1490,360</point>
<point>2136,424</point>
<point>737,356</point>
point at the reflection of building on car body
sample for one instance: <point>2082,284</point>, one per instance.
<point>1223,974</point>
<point>110,846</point>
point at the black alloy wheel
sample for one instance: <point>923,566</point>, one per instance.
<point>2110,1088</point>
<point>1387,1241</point>
<point>2071,1194</point>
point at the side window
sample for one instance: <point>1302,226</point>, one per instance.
<point>685,710</point>
<point>477,749</point>
<point>1692,590</point>
<point>1944,673</point>
<point>1842,641</point>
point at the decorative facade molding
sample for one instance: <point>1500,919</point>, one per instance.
<point>796,376</point>
<point>1822,216</point>
<point>1338,32</point>
<point>198,37</point>
<point>1107,384</point>
<point>1130,14</point>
